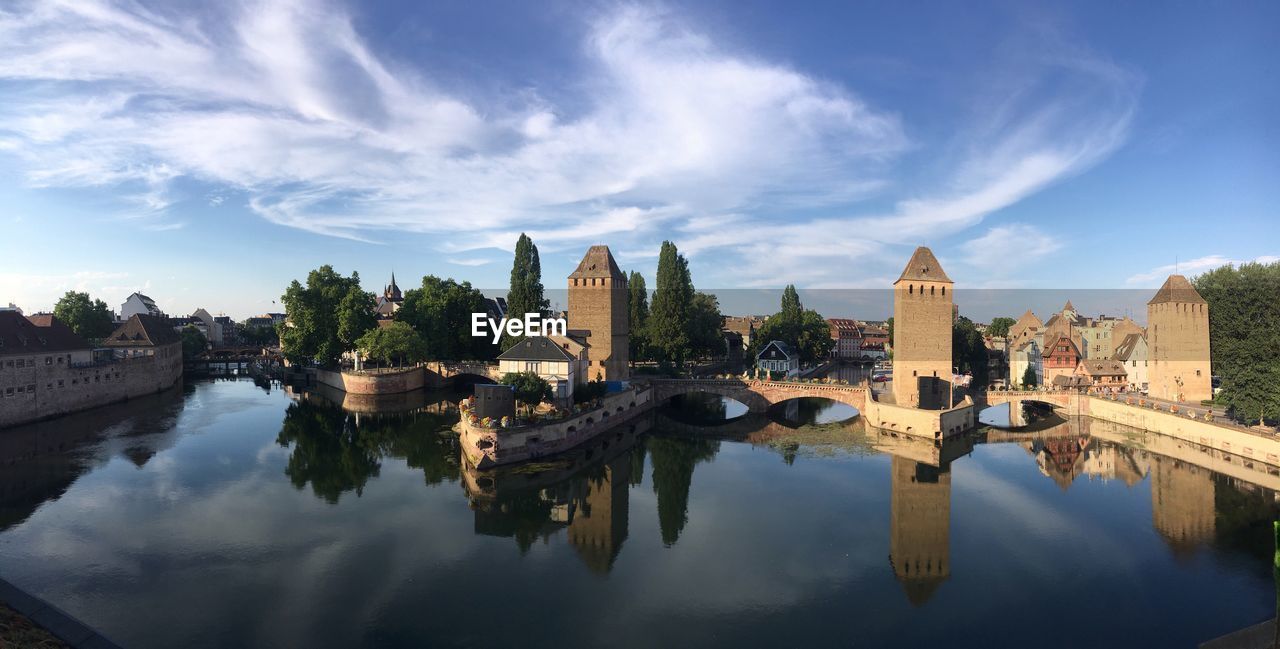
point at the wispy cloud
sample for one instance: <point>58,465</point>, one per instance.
<point>286,103</point>
<point>1009,246</point>
<point>1192,267</point>
<point>468,262</point>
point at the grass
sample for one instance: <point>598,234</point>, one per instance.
<point>18,631</point>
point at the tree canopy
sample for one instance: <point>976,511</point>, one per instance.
<point>1029,378</point>
<point>706,337</point>
<point>526,294</point>
<point>530,389</point>
<point>193,342</point>
<point>396,343</point>
<point>638,314</point>
<point>326,316</point>
<point>1244,337</point>
<point>669,315</point>
<point>968,351</point>
<point>440,311</point>
<point>805,330</point>
<point>999,327</point>
<point>89,318</point>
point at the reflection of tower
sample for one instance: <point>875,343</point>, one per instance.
<point>922,320</point>
<point>1182,504</point>
<point>598,304</point>
<point>920,527</point>
<point>599,523</point>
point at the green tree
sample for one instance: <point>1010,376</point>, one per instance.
<point>669,316</point>
<point>638,312</point>
<point>89,318</point>
<point>1029,378</point>
<point>888,325</point>
<point>193,342</point>
<point>999,327</point>
<point>326,317</point>
<point>968,351</point>
<point>395,343</point>
<point>1244,337</point>
<point>526,294</point>
<point>440,311</point>
<point>706,325</point>
<point>530,389</point>
<point>805,330</point>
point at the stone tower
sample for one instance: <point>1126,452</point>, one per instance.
<point>920,526</point>
<point>598,306</point>
<point>1178,334</point>
<point>922,320</point>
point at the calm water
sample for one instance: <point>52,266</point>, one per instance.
<point>227,515</point>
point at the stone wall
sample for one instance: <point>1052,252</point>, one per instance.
<point>922,318</point>
<point>486,447</point>
<point>1245,443</point>
<point>408,380</point>
<point>52,390</point>
<point>930,424</point>
<point>1178,348</point>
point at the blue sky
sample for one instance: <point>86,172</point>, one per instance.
<point>207,154</point>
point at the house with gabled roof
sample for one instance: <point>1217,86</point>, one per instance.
<point>559,360</point>
<point>1132,352</point>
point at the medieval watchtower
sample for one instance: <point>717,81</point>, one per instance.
<point>1178,329</point>
<point>922,321</point>
<point>598,306</point>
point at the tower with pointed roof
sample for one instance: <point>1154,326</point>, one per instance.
<point>922,318</point>
<point>598,307</point>
<point>391,292</point>
<point>1178,342</point>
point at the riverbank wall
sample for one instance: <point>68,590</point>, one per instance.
<point>41,390</point>
<point>488,447</point>
<point>372,383</point>
<point>929,424</point>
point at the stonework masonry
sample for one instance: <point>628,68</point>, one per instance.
<point>52,390</point>
<point>598,305</point>
<point>922,321</point>
<point>1178,343</point>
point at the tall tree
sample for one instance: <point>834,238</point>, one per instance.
<point>325,317</point>
<point>968,351</point>
<point>999,327</point>
<point>526,293</point>
<point>669,316</point>
<point>530,389</point>
<point>89,318</point>
<point>193,342</point>
<point>706,325</point>
<point>1029,378</point>
<point>440,311</point>
<point>638,312</point>
<point>1244,337</point>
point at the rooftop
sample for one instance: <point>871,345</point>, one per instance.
<point>924,267</point>
<point>1177,289</point>
<point>598,262</point>
<point>143,331</point>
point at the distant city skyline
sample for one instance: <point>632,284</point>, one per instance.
<point>208,155</point>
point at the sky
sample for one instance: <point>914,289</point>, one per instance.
<point>207,154</point>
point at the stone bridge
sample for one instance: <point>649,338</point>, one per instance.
<point>759,395</point>
<point>447,370</point>
<point>1065,402</point>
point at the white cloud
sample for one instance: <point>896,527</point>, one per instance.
<point>468,262</point>
<point>1192,267</point>
<point>1006,246</point>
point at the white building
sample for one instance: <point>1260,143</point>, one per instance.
<point>778,356</point>
<point>559,360</point>
<point>1026,354</point>
<point>1132,353</point>
<point>212,329</point>
<point>139,304</point>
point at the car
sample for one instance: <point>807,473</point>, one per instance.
<point>880,378</point>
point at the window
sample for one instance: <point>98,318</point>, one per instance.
<point>61,383</point>
<point>533,366</point>
<point>1197,372</point>
<point>22,362</point>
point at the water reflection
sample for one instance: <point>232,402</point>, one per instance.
<point>1027,515</point>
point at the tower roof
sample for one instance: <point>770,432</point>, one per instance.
<point>598,262</point>
<point>1068,307</point>
<point>924,266</point>
<point>1177,289</point>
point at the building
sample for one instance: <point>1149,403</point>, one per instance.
<point>1064,324</point>
<point>390,301</point>
<point>922,317</point>
<point>744,326</point>
<point>777,356</point>
<point>1028,327</point>
<point>847,335</point>
<point>1060,360</point>
<point>144,335</point>
<point>11,307</point>
<point>598,307</point>
<point>495,401</point>
<point>1020,358</point>
<point>1104,375</point>
<point>139,304</point>
<point>1178,334</point>
<point>560,361</point>
<point>212,329</point>
<point>46,370</point>
<point>1132,352</point>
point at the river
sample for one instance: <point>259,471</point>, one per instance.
<point>229,514</point>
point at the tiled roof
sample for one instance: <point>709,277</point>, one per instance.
<point>598,262</point>
<point>924,267</point>
<point>40,333</point>
<point>1102,368</point>
<point>1177,289</point>
<point>536,348</point>
<point>143,331</point>
<point>1125,349</point>
<point>780,345</point>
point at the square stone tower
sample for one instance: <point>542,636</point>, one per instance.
<point>1178,335</point>
<point>922,321</point>
<point>598,305</point>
